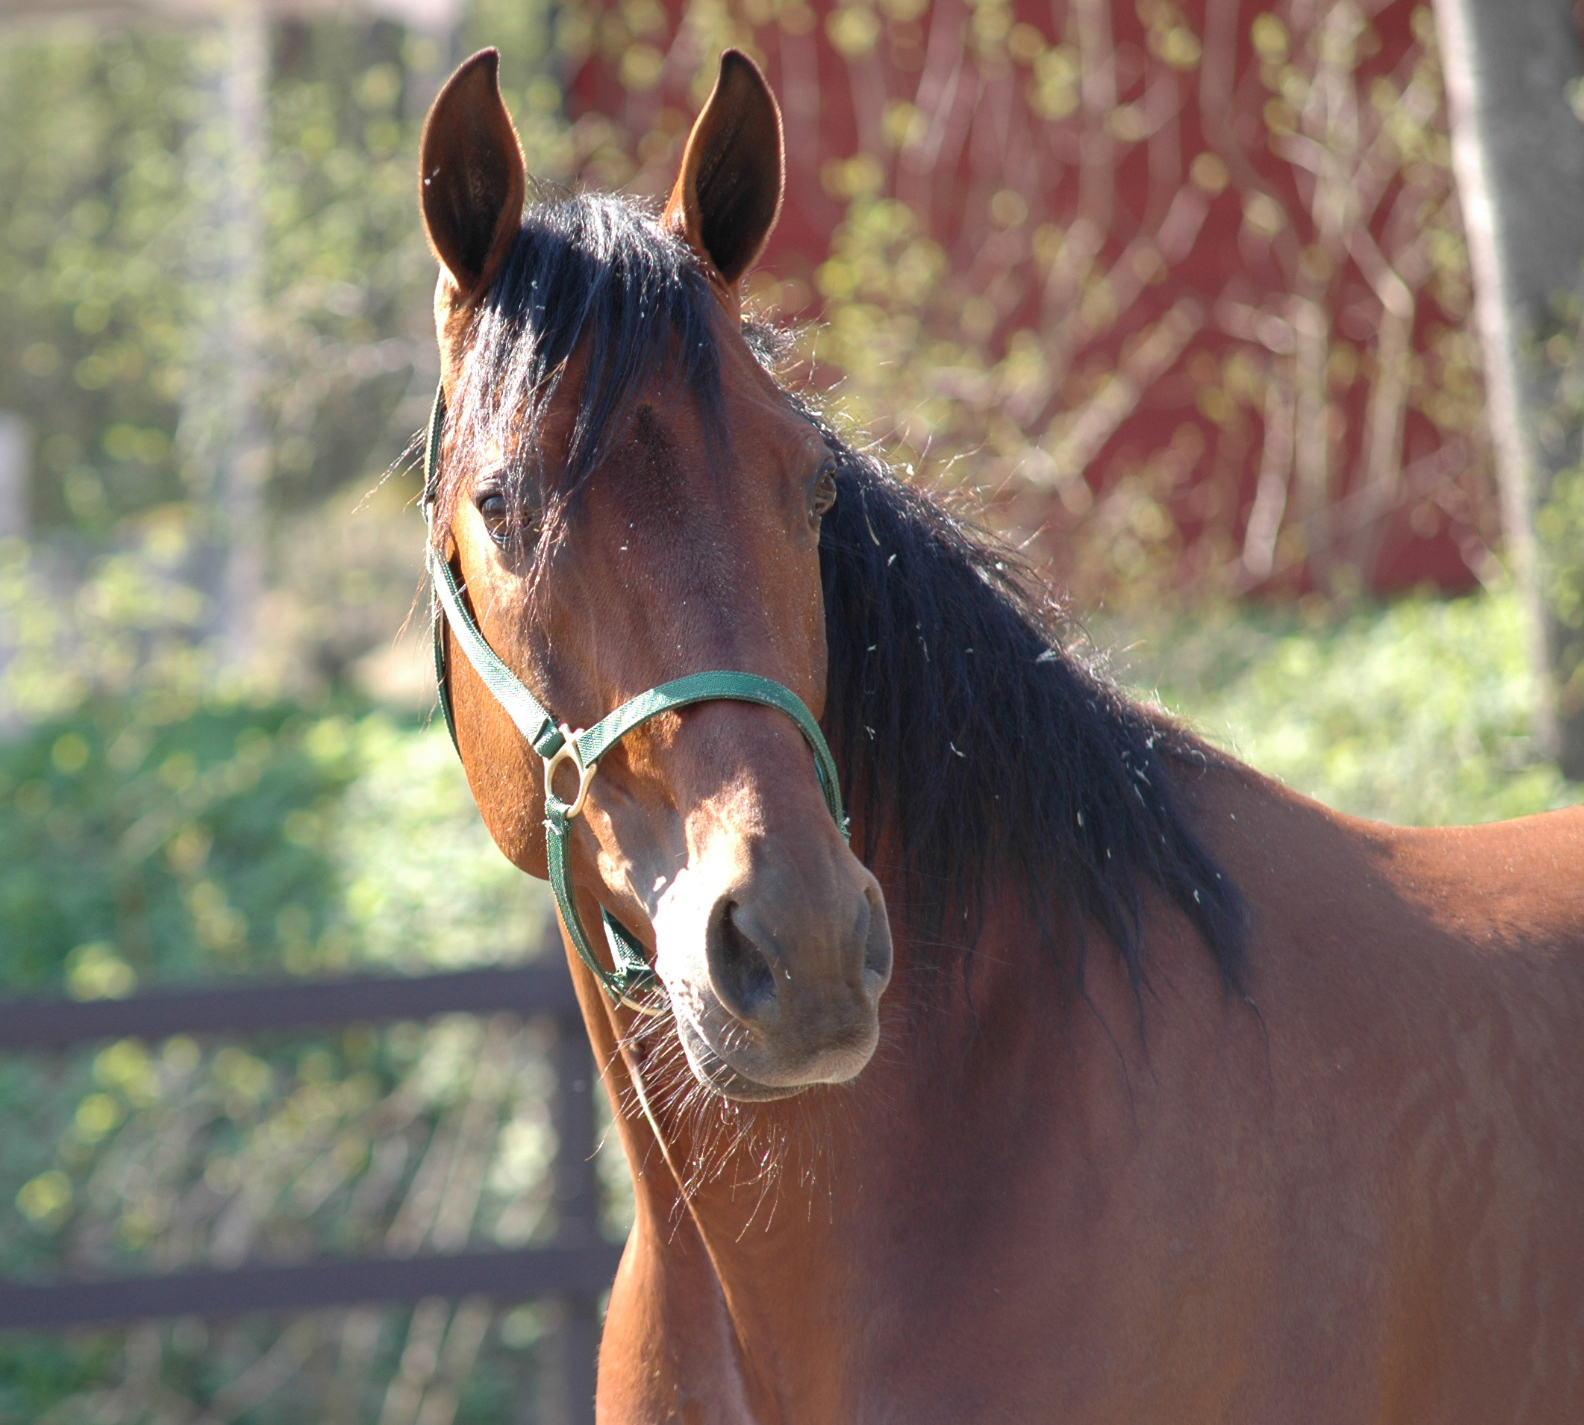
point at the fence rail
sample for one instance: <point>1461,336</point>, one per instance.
<point>37,1023</point>
<point>302,1286</point>
<point>575,1269</point>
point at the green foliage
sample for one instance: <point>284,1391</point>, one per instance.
<point>141,846</point>
<point>128,630</point>
<point>1418,712</point>
<point>1553,362</point>
<point>109,136</point>
<point>175,332</point>
<point>37,1369</point>
<point>162,838</point>
<point>90,287</point>
<point>115,145</point>
<point>291,1145</point>
<point>163,845</point>
<point>432,1137</point>
<point>417,1138</point>
<point>1559,540</point>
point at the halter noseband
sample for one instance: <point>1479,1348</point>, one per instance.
<point>556,743</point>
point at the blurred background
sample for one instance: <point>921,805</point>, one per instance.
<point>1176,296</point>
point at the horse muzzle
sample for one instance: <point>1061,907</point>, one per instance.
<point>776,977</point>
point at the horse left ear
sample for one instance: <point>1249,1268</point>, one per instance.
<point>728,194</point>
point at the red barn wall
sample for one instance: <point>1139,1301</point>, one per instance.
<point>1227,232</point>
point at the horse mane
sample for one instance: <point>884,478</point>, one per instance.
<point>985,749</point>
<point>973,744</point>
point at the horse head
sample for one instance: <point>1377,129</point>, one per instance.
<point>629,498</point>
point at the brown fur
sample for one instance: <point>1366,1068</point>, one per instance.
<point>1363,1203</point>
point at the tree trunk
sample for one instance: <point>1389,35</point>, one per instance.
<point>15,443</point>
<point>224,435</point>
<point>1518,153</point>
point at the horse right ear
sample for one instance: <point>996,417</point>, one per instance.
<point>471,175</point>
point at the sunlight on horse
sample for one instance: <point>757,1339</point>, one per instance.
<point>1189,1100</point>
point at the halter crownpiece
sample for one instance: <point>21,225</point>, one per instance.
<point>556,743</point>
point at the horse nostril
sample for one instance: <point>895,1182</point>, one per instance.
<point>877,942</point>
<point>741,973</point>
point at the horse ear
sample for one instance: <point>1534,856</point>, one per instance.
<point>471,176</point>
<point>728,194</point>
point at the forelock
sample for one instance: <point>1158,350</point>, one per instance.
<point>595,275</point>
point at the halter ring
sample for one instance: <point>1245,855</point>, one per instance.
<point>567,752</point>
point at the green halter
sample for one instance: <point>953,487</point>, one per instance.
<point>556,743</point>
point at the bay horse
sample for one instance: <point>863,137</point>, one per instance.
<point>1097,1078</point>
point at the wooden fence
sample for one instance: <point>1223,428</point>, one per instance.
<point>575,1268</point>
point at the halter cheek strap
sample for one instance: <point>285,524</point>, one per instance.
<point>556,743</point>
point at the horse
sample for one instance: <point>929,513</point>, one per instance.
<point>1085,1074</point>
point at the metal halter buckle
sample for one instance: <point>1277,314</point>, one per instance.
<point>567,752</point>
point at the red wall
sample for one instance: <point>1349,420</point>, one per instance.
<point>1275,225</point>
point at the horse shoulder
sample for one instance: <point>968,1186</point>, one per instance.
<point>1422,994</point>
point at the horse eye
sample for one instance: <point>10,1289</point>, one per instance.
<point>824,493</point>
<point>492,505</point>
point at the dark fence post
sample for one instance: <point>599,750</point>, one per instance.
<point>574,1349</point>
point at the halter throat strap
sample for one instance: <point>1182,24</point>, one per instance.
<point>556,743</point>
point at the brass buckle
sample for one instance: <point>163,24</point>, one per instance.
<point>567,752</point>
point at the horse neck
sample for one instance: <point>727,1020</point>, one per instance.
<point>805,1208</point>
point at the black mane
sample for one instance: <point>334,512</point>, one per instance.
<point>967,733</point>
<point>972,744</point>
